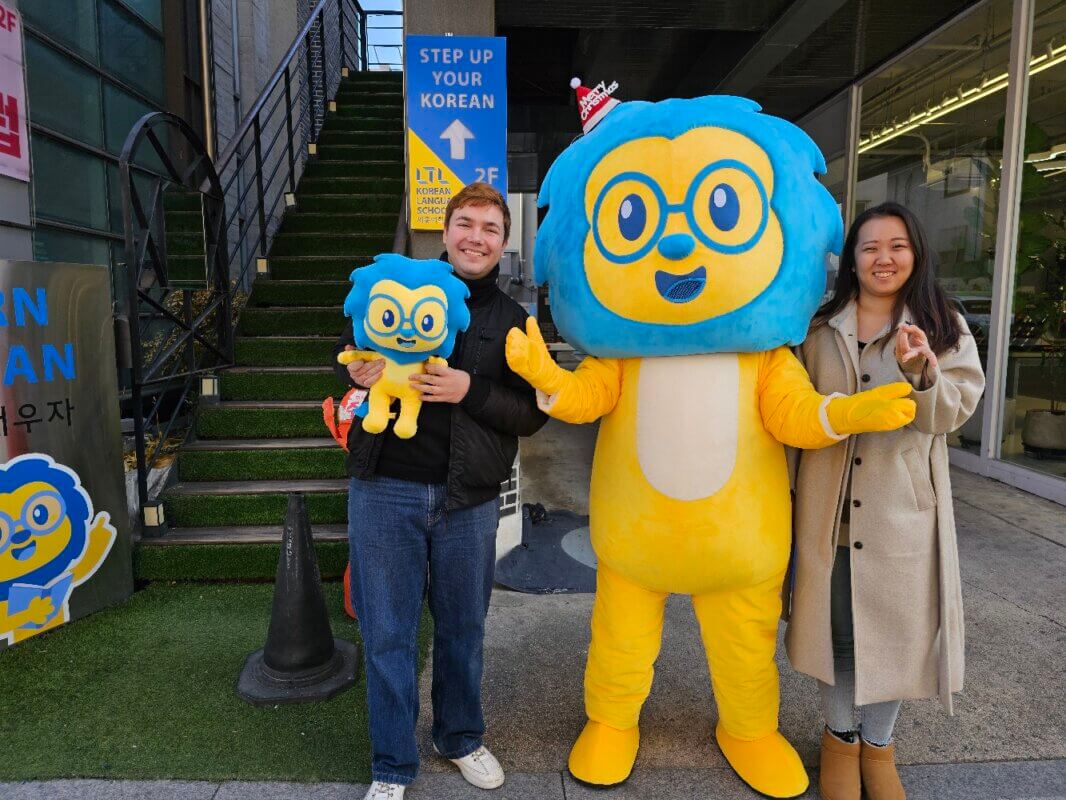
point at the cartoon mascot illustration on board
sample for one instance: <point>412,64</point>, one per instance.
<point>50,543</point>
<point>684,248</point>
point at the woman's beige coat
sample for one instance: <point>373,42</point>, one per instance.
<point>906,594</point>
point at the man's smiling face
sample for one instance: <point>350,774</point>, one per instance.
<point>474,240</point>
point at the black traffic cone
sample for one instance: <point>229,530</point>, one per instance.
<point>301,661</point>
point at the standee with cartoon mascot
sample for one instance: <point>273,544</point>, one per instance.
<point>684,248</point>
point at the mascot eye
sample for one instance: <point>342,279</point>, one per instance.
<point>382,315</point>
<point>728,207</point>
<point>628,217</point>
<point>43,513</point>
<point>432,318</point>
<point>632,217</point>
<point>725,207</point>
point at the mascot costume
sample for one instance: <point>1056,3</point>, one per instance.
<point>409,312</point>
<point>684,248</point>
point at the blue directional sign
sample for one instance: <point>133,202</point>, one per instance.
<point>456,120</point>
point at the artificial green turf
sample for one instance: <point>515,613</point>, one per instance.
<point>273,293</point>
<point>259,423</point>
<point>280,386</point>
<point>269,352</point>
<point>332,168</point>
<point>185,222</point>
<point>331,222</point>
<point>146,690</point>
<point>251,465</point>
<point>185,244</point>
<point>272,322</point>
<point>226,562</point>
<point>360,124</point>
<point>331,135</point>
<point>379,203</point>
<point>355,245</point>
<point>213,510</point>
<point>337,268</point>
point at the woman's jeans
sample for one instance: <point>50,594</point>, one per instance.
<point>875,721</point>
<point>401,539</point>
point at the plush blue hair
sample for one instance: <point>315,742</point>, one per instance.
<point>810,224</point>
<point>39,467</point>
<point>411,273</point>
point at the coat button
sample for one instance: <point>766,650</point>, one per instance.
<point>856,503</point>
<point>857,545</point>
<point>865,378</point>
<point>858,461</point>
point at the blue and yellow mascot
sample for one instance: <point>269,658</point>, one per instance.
<point>684,248</point>
<point>50,543</point>
<point>407,312</point>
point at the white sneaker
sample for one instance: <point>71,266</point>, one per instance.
<point>480,769</point>
<point>379,790</point>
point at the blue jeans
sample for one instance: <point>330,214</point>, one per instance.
<point>402,539</point>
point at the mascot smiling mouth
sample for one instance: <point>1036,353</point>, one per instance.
<point>24,552</point>
<point>405,342</point>
<point>680,288</point>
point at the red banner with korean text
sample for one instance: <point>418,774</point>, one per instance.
<point>14,141</point>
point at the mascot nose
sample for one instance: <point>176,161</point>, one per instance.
<point>20,536</point>
<point>677,246</point>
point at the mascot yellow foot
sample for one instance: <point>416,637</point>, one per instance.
<point>770,765</point>
<point>602,755</point>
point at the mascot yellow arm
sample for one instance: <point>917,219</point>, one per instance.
<point>348,356</point>
<point>584,395</point>
<point>797,415</point>
<point>101,537</point>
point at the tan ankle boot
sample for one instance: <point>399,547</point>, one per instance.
<point>838,776</point>
<point>879,775</point>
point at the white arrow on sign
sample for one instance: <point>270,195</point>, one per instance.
<point>457,133</point>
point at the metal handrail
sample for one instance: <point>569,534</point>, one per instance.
<point>177,334</point>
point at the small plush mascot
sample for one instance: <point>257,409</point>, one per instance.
<point>685,247</point>
<point>408,313</point>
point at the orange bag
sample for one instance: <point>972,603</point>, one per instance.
<point>340,422</point>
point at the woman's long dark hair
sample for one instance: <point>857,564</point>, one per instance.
<point>921,293</point>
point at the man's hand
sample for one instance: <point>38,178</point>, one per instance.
<point>913,353</point>
<point>528,357</point>
<point>886,408</point>
<point>364,372</point>
<point>441,383</point>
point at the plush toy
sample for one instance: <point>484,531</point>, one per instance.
<point>694,229</point>
<point>407,312</point>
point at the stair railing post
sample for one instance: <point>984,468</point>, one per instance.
<point>257,138</point>
<point>289,131</point>
<point>340,18</point>
<point>363,38</point>
<point>310,90</point>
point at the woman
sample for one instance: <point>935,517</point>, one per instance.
<point>876,606</point>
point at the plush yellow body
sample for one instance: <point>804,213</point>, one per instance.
<point>394,384</point>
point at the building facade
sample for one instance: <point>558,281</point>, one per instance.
<point>967,127</point>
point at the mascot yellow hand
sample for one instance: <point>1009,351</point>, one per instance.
<point>885,408</point>
<point>528,357</point>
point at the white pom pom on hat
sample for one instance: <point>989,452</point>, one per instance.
<point>575,82</point>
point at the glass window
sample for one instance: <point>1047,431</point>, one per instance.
<point>76,248</point>
<point>151,10</point>
<point>68,184</point>
<point>130,51</point>
<point>828,127</point>
<point>121,111</point>
<point>931,138</point>
<point>1034,423</point>
<point>72,22</point>
<point>63,95</point>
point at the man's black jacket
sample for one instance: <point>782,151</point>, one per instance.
<point>486,424</point>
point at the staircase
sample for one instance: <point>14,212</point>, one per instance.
<point>265,438</point>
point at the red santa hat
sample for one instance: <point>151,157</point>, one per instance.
<point>595,103</point>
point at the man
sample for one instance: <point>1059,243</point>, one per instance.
<point>423,511</point>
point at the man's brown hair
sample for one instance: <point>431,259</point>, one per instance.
<point>479,194</point>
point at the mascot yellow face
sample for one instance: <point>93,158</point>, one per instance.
<point>406,320</point>
<point>675,239</point>
<point>34,529</point>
